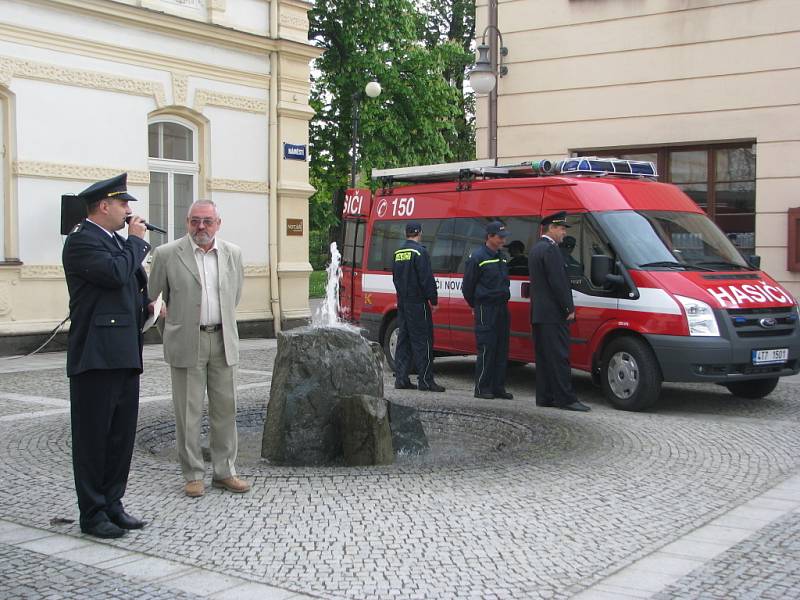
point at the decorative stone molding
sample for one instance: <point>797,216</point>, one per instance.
<point>294,269</point>
<point>45,170</point>
<point>28,69</point>
<point>256,271</point>
<point>203,98</point>
<point>238,185</point>
<point>5,299</point>
<point>41,272</point>
<point>217,5</point>
<point>5,73</point>
<point>296,20</point>
<point>180,86</point>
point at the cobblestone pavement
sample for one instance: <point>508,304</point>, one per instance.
<point>514,502</point>
<point>765,566</point>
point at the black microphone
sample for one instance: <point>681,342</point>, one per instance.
<point>148,226</point>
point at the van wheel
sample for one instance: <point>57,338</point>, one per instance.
<point>630,375</point>
<point>753,390</point>
<point>390,342</point>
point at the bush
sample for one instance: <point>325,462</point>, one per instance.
<point>316,284</point>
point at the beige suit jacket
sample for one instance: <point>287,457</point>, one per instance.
<point>174,274</point>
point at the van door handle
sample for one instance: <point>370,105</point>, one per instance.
<point>525,291</point>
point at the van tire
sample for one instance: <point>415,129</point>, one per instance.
<point>754,389</point>
<point>388,346</point>
<point>630,375</point>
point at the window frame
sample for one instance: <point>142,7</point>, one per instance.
<point>663,154</point>
<point>173,167</point>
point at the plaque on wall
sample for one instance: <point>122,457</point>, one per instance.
<point>294,226</point>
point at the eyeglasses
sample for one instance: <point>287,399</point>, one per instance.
<point>208,222</point>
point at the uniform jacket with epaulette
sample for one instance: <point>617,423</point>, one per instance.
<point>412,274</point>
<point>486,277</point>
<point>107,299</point>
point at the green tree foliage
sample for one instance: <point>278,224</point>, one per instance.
<point>453,21</point>
<point>417,52</point>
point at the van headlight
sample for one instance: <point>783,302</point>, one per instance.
<point>702,321</point>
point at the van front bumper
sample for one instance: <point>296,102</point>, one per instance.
<point>720,360</point>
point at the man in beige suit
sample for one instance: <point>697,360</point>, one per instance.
<point>201,279</point>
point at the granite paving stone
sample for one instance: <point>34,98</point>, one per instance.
<point>513,501</point>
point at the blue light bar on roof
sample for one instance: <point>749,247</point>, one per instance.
<point>606,166</point>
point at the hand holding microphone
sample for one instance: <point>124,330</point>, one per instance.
<point>131,219</point>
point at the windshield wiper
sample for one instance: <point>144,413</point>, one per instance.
<point>725,263</point>
<point>664,263</point>
<point>674,264</point>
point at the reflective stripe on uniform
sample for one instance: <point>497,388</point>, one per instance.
<point>489,260</point>
<point>404,254</point>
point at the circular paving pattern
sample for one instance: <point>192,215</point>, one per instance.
<point>567,500</point>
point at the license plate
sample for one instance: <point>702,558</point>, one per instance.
<point>766,357</point>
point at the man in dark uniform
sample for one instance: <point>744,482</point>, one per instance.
<point>486,290</point>
<point>551,310</point>
<point>108,305</point>
<point>416,294</point>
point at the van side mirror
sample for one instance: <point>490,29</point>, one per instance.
<point>601,270</point>
<point>754,260</point>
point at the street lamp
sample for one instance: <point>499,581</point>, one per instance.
<point>483,79</point>
<point>372,90</point>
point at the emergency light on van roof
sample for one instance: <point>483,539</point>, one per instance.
<point>606,166</point>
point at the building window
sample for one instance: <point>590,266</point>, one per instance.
<point>721,178</point>
<point>174,171</point>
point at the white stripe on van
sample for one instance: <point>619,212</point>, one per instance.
<point>651,300</point>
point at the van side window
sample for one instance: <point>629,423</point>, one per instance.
<point>524,234</point>
<point>468,235</point>
<point>353,247</point>
<point>388,236</point>
<point>578,246</point>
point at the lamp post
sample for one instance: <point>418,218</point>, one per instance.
<point>483,79</point>
<point>372,90</point>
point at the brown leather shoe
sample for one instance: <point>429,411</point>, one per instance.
<point>194,489</point>
<point>232,484</point>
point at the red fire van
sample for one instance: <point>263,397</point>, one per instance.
<point>661,294</point>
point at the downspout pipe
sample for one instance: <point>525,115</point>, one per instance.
<point>274,152</point>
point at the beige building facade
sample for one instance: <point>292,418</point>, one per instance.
<point>707,89</point>
<point>194,99</point>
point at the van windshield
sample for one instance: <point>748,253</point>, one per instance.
<point>658,240</point>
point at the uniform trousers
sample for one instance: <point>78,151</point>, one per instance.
<point>189,386</point>
<point>414,342</point>
<point>491,336</point>
<point>553,372</point>
<point>104,407</point>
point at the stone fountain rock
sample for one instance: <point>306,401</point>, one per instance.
<point>326,401</point>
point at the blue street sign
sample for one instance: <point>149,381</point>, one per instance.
<point>294,151</point>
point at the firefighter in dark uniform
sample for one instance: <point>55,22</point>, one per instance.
<point>486,289</point>
<point>551,311</point>
<point>416,294</point>
<point>107,306</point>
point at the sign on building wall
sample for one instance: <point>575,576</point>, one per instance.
<point>294,151</point>
<point>294,226</point>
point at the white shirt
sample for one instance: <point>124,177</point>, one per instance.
<point>552,241</point>
<point>208,266</point>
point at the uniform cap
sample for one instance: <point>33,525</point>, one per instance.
<point>496,228</point>
<point>115,187</point>
<point>413,228</point>
<point>559,218</point>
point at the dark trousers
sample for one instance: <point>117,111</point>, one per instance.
<point>104,406</point>
<point>414,342</point>
<point>553,374</point>
<point>491,336</point>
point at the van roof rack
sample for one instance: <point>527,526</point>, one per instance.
<point>487,168</point>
